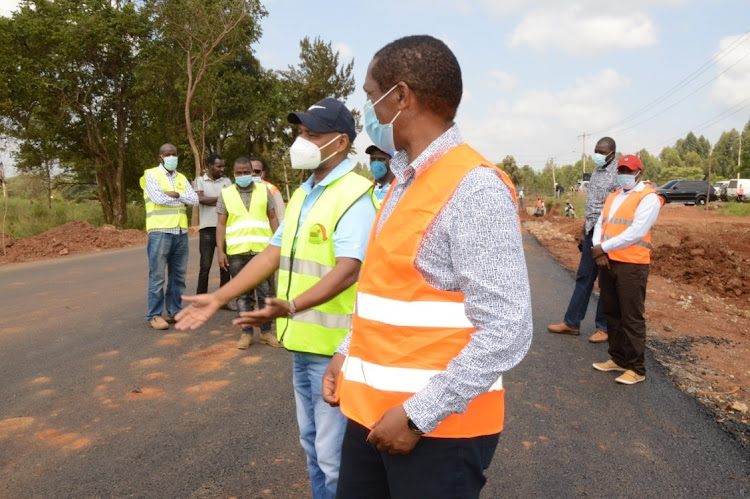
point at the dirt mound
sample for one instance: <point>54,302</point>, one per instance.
<point>710,264</point>
<point>71,238</point>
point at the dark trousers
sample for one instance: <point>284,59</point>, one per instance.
<point>247,302</point>
<point>435,468</point>
<point>207,246</point>
<point>585,279</point>
<point>623,295</point>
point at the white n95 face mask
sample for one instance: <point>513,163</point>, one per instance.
<point>305,155</point>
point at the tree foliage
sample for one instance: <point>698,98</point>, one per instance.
<point>94,88</point>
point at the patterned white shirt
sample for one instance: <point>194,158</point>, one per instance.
<point>473,246</point>
<point>156,194</point>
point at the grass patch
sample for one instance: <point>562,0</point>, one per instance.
<point>578,200</point>
<point>27,218</point>
<point>735,209</point>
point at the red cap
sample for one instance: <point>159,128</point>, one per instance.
<point>631,162</point>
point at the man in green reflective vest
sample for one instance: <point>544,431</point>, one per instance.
<point>166,193</point>
<point>246,221</point>
<point>318,250</point>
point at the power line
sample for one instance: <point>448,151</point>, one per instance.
<point>685,97</point>
<point>742,105</point>
<point>682,83</point>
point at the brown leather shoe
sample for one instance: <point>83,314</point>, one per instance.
<point>562,328</point>
<point>158,322</point>
<point>270,340</point>
<point>599,336</point>
<point>245,341</point>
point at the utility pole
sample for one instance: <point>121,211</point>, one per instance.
<point>739,154</point>
<point>584,135</point>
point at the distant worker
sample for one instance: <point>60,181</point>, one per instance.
<point>318,250</point>
<point>260,169</point>
<point>622,252</point>
<point>560,190</point>
<point>740,193</point>
<point>602,182</point>
<point>208,188</point>
<point>166,193</point>
<point>520,198</point>
<point>570,211</point>
<point>380,167</point>
<point>246,222</point>
<point>539,208</point>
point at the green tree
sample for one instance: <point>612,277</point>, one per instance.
<point>651,165</point>
<point>203,34</point>
<point>72,66</point>
<point>509,166</point>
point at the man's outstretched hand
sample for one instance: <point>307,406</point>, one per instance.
<point>274,308</point>
<point>201,308</point>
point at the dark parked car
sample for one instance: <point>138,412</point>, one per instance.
<point>687,191</point>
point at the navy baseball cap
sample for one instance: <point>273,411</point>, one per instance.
<point>374,148</point>
<point>328,115</point>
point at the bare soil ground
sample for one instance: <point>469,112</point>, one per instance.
<point>69,239</point>
<point>697,303</point>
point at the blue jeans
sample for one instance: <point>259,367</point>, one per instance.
<point>170,252</point>
<point>585,278</point>
<point>321,426</point>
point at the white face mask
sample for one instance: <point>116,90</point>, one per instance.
<point>305,155</point>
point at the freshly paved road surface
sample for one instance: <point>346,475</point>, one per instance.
<point>95,404</point>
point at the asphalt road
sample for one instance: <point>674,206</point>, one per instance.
<point>95,404</point>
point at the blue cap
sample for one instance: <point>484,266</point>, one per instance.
<point>328,115</point>
<point>374,148</point>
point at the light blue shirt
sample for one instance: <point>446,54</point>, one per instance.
<point>381,190</point>
<point>353,230</point>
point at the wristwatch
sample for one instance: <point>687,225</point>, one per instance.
<point>414,428</point>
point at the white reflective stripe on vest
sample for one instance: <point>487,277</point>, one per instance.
<point>248,224</point>
<point>441,314</point>
<point>247,239</point>
<point>393,379</point>
<point>156,213</point>
<point>305,267</point>
<point>331,321</point>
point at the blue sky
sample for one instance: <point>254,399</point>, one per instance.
<point>538,73</point>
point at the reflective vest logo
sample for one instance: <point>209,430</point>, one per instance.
<point>318,234</point>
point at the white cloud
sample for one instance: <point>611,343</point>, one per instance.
<point>503,81</point>
<point>504,8</point>
<point>6,6</point>
<point>579,31</point>
<point>545,121</point>
<point>344,50</point>
<point>733,86</point>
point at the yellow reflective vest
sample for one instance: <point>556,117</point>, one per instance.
<point>160,216</point>
<point>247,228</point>
<point>320,329</point>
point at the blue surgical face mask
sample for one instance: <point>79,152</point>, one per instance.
<point>243,181</point>
<point>257,180</point>
<point>378,169</point>
<point>626,181</point>
<point>170,163</point>
<point>381,135</point>
<point>600,159</point>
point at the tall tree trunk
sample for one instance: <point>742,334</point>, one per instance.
<point>101,189</point>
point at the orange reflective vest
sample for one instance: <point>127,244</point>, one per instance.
<point>614,224</point>
<point>404,331</point>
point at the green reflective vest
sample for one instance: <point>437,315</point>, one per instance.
<point>160,216</point>
<point>247,228</point>
<point>320,329</point>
